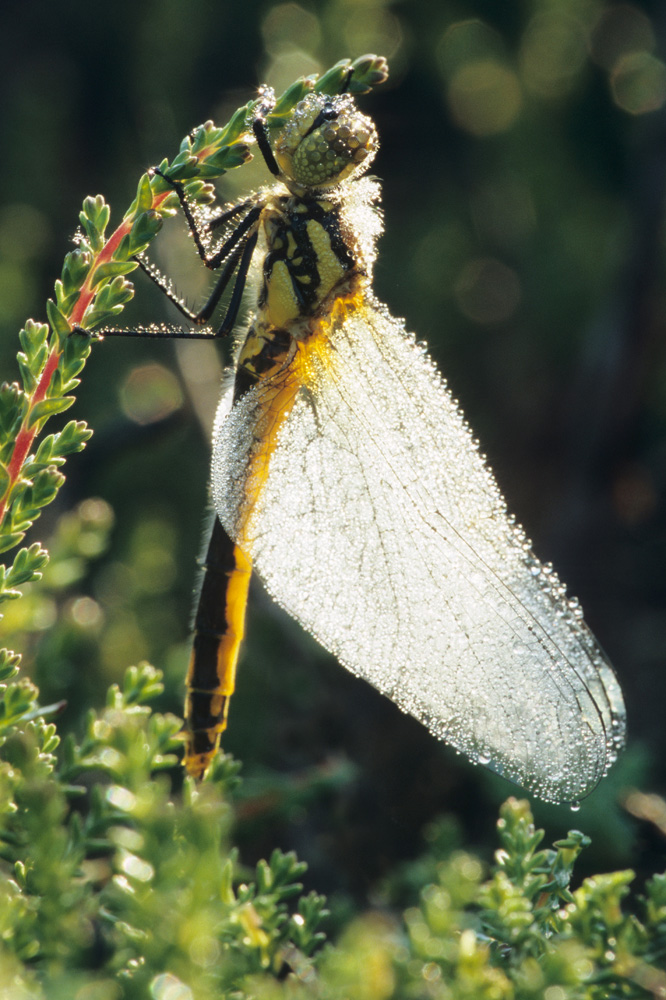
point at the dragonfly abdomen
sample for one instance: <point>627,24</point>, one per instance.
<point>219,627</point>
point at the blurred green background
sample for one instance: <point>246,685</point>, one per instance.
<point>523,165</point>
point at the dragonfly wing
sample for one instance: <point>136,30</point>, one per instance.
<point>374,521</point>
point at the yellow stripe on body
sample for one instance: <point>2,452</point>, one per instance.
<point>216,640</point>
<point>329,267</point>
<point>279,391</point>
<point>282,305</point>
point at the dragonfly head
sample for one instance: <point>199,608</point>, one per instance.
<point>326,140</point>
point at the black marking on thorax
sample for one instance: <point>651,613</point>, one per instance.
<point>298,253</point>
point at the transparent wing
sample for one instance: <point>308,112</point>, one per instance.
<point>376,524</point>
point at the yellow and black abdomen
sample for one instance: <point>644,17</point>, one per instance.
<point>218,632</point>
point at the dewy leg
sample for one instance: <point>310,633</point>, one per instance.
<point>236,268</point>
<point>218,632</point>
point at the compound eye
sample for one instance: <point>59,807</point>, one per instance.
<point>325,142</point>
<point>329,114</point>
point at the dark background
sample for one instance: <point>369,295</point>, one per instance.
<point>522,159</point>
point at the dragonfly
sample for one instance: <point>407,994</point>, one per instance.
<point>344,475</point>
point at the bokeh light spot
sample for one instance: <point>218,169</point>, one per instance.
<point>44,615</point>
<point>622,28</point>
<point>153,548</point>
<point>287,26</point>
<point>17,290</point>
<point>465,41</point>
<point>24,232</point>
<point>86,613</point>
<point>431,972</point>
<point>553,52</point>
<point>136,867</point>
<point>370,27</point>
<point>471,868</point>
<point>484,97</point>
<point>638,83</point>
<point>150,393</point>
<point>487,291</point>
<point>121,798</point>
<point>96,512</point>
<point>205,951</point>
<point>436,259</point>
<point>634,495</point>
<point>503,211</point>
<point>281,71</point>
<point>168,987</point>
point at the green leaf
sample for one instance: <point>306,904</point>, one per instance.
<point>144,195</point>
<point>184,167</point>
<point>49,407</point>
<point>42,490</point>
<point>237,125</point>
<point>286,102</point>
<point>108,302</point>
<point>9,664</point>
<point>368,72</point>
<point>10,539</point>
<point>34,341</point>
<point>58,321</point>
<point>94,218</point>
<point>27,565</point>
<point>72,438</point>
<point>111,268</point>
<point>123,249</point>
<point>75,270</point>
<point>225,159</point>
<point>140,684</point>
<point>29,380</point>
<point>77,350</point>
<point>146,227</point>
<point>18,698</point>
<point>45,452</point>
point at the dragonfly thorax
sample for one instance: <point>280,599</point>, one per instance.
<point>308,255</point>
<point>326,141</point>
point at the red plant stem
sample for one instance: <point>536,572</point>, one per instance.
<point>26,435</point>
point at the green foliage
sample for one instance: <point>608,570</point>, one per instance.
<point>520,934</point>
<point>357,77</point>
<point>106,878</point>
<point>112,882</point>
